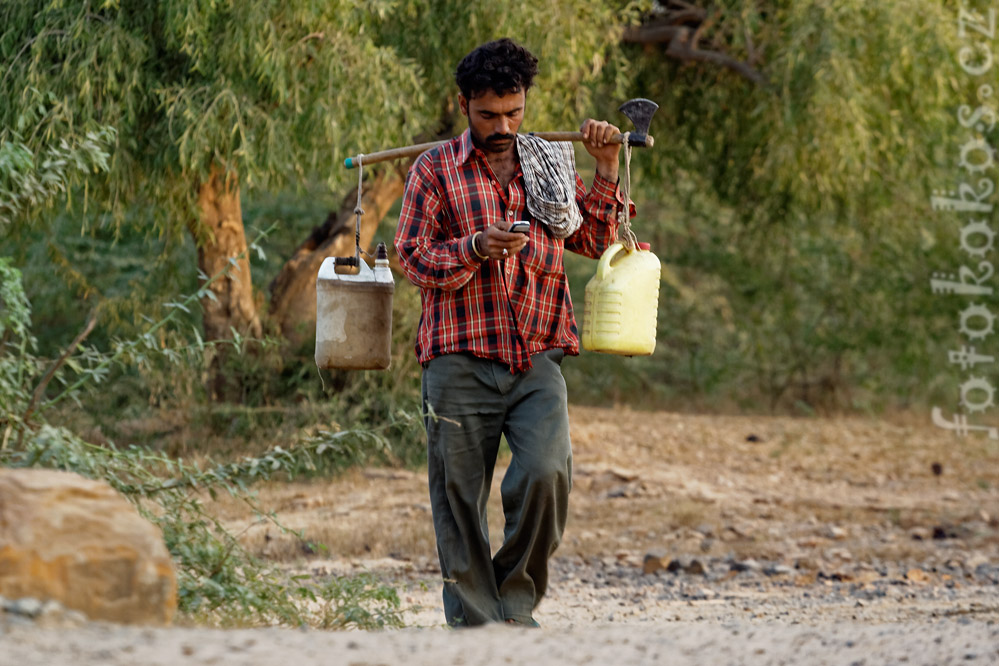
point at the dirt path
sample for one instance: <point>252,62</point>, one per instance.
<point>706,539</point>
<point>679,644</point>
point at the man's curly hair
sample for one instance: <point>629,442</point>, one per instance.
<point>502,66</point>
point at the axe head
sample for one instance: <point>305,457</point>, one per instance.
<point>639,111</point>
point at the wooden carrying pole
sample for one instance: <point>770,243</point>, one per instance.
<point>635,140</point>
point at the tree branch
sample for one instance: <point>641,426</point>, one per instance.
<point>681,51</point>
<point>677,41</point>
<point>651,34</point>
<point>47,377</point>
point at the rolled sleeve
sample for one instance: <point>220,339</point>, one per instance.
<point>606,196</point>
<point>467,251</point>
<point>600,208</point>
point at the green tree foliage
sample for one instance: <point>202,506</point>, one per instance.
<point>857,98</point>
<point>279,92</point>
<point>266,89</point>
<point>29,182</point>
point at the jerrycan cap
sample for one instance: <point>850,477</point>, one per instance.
<point>645,246</point>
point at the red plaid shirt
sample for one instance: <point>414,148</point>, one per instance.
<point>500,310</point>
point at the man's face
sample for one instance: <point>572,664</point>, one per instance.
<point>494,120</point>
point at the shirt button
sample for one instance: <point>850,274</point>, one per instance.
<point>509,213</point>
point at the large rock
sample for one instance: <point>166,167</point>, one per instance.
<point>77,541</point>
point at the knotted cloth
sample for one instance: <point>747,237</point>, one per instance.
<point>549,169</point>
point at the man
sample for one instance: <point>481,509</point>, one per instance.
<point>497,320</point>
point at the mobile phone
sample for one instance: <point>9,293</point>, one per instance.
<point>520,227</point>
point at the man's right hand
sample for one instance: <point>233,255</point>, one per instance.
<point>498,243</point>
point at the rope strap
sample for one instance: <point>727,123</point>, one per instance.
<point>358,211</point>
<point>624,233</point>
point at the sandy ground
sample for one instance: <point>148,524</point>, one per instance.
<point>692,540</point>
<point>677,643</point>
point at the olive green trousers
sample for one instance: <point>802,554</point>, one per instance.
<point>469,403</point>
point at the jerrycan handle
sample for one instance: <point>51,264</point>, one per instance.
<point>603,268</point>
<point>350,266</point>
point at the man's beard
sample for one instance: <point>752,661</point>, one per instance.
<point>494,143</point>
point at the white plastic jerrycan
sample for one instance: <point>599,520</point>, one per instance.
<point>622,301</point>
<point>354,315</point>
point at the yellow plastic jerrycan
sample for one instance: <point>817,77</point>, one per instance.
<point>622,301</point>
<point>354,314</point>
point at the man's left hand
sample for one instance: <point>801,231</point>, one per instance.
<point>596,138</point>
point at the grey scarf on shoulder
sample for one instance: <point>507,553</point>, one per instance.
<point>549,169</point>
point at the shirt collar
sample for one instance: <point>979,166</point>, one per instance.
<point>465,146</point>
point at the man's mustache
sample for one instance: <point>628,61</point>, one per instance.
<point>496,138</point>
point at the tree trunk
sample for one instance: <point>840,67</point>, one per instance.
<point>293,291</point>
<point>221,246</point>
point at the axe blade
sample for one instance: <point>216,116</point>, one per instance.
<point>639,111</point>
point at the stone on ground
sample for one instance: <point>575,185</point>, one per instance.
<point>76,541</point>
